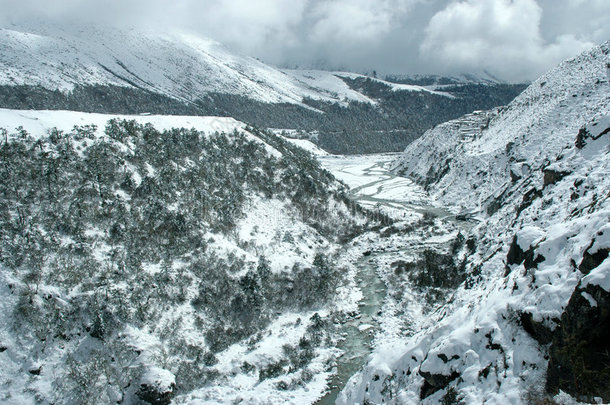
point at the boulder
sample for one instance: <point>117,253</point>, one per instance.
<point>552,176</point>
<point>435,382</point>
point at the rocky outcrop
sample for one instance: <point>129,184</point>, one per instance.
<point>591,260</point>
<point>552,176</point>
<point>537,330</point>
<point>435,382</point>
<point>516,255</point>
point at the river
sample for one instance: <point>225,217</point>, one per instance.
<point>373,185</point>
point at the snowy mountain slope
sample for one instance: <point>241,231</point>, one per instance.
<point>140,265</point>
<point>535,126</point>
<point>332,82</point>
<point>38,123</point>
<point>531,319</point>
<point>179,65</point>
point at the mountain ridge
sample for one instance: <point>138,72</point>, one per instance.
<point>129,72</point>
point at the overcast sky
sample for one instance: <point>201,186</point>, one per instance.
<point>512,39</point>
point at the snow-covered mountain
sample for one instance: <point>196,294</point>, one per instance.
<point>178,65</point>
<point>531,319</point>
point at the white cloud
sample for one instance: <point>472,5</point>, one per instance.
<point>355,20</point>
<point>249,24</point>
<point>501,36</point>
<point>516,39</point>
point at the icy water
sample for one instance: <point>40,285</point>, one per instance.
<point>358,330</point>
<point>373,185</point>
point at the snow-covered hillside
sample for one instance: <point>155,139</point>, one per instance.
<point>531,319</point>
<point>473,156</point>
<point>178,65</point>
<point>140,262</point>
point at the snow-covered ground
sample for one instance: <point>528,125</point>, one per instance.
<point>373,184</point>
<point>38,122</point>
<point>308,145</point>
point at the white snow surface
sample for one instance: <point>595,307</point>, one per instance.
<point>39,122</point>
<point>535,126</point>
<point>494,163</point>
<point>159,378</point>
<point>373,185</point>
<point>308,145</point>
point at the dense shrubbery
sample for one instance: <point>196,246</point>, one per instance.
<point>106,232</point>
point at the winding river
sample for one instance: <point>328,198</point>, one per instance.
<point>358,331</point>
<point>373,185</point>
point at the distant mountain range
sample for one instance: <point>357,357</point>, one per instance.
<point>112,71</point>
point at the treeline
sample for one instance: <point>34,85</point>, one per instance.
<point>355,127</point>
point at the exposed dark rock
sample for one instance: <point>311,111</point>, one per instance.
<point>528,198</point>
<point>584,134</point>
<point>530,258</point>
<point>463,217</point>
<point>553,176</point>
<point>537,330</point>
<point>446,359</point>
<point>491,345</point>
<point>151,394</point>
<point>495,205</point>
<point>367,253</point>
<point>3,349</point>
<point>592,260</point>
<point>457,243</point>
<point>435,382</point>
<point>581,138</point>
<point>579,361</point>
<point>35,371</point>
<point>485,372</point>
<point>515,255</point>
<point>471,245</point>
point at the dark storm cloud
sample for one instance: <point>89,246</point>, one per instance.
<point>513,39</point>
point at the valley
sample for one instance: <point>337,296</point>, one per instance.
<point>374,327</point>
<point>181,224</point>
